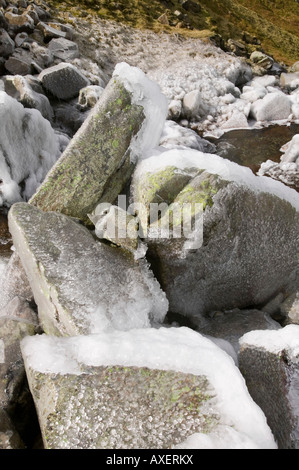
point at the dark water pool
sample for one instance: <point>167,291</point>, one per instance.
<point>254,146</point>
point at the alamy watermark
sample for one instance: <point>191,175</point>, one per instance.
<point>151,221</point>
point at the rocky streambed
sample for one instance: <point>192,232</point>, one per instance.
<point>151,297</point>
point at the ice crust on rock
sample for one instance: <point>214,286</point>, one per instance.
<point>177,349</point>
<point>176,136</point>
<point>29,148</point>
<point>269,364</point>
<point>214,164</point>
<point>80,285</point>
<point>276,341</point>
<point>145,93</point>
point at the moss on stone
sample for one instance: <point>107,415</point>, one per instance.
<point>78,180</point>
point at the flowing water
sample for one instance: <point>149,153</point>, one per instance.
<point>251,147</point>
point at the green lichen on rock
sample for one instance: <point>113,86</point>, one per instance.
<point>192,199</point>
<point>118,407</point>
<point>98,151</point>
<point>159,187</point>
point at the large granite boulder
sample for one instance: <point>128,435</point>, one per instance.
<point>274,106</point>
<point>100,158</point>
<point>245,249</point>
<point>148,389</point>
<point>269,362</point>
<point>80,285</point>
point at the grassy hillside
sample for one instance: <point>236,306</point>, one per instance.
<point>274,22</point>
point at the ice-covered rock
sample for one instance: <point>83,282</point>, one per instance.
<point>89,95</point>
<point>291,151</point>
<point>176,136</point>
<point>18,87</point>
<point>237,120</point>
<point>151,388</point>
<point>127,120</point>
<point>64,81</point>
<point>245,248</point>
<point>273,107</point>
<point>29,148</point>
<point>16,293</point>
<point>269,363</point>
<point>287,170</point>
<point>82,286</point>
<point>289,80</point>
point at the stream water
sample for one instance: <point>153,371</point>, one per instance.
<point>252,147</point>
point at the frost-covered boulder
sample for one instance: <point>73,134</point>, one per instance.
<point>18,87</point>
<point>127,120</point>
<point>15,289</point>
<point>196,88</point>
<point>238,247</point>
<point>287,169</point>
<point>64,81</point>
<point>89,95</point>
<point>151,388</point>
<point>287,173</point>
<point>289,80</point>
<point>29,148</point>
<point>291,151</point>
<point>269,363</point>
<point>274,106</point>
<point>176,136</point>
<point>80,285</point>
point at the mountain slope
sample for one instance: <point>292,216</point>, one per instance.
<point>274,22</point>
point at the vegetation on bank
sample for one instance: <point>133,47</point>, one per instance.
<point>274,22</point>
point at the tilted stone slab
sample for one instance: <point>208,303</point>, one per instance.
<point>269,361</point>
<point>127,120</point>
<point>84,172</point>
<point>80,285</point>
<point>149,388</point>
